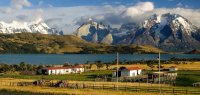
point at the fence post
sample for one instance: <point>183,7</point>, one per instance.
<point>136,89</point>
<point>125,88</point>
<point>93,86</point>
<point>173,90</point>
<point>186,91</point>
<point>114,86</point>
<point>103,86</point>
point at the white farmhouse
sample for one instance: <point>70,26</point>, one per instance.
<point>131,71</point>
<point>62,70</point>
<point>173,68</point>
<point>128,72</point>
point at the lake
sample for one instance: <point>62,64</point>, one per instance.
<point>83,58</point>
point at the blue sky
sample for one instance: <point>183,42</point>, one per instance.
<point>70,3</point>
<point>68,15</point>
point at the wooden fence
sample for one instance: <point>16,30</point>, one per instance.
<point>171,90</point>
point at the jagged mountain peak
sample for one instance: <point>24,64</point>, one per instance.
<point>175,21</point>
<point>93,31</point>
<point>167,31</point>
<point>38,26</point>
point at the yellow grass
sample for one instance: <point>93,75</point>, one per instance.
<point>37,89</point>
<point>87,82</point>
<point>15,80</point>
<point>182,66</point>
<point>189,66</point>
<point>122,84</point>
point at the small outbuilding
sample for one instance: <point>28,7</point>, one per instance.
<point>173,68</point>
<point>128,72</point>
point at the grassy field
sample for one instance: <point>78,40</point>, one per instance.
<point>43,90</point>
<point>185,65</point>
<point>187,78</point>
<point>31,90</point>
<point>86,76</point>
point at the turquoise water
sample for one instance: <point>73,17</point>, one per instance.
<point>82,58</point>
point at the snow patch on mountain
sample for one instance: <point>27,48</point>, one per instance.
<point>37,26</point>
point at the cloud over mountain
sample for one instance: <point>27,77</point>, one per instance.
<point>140,11</point>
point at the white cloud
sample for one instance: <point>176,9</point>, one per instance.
<point>16,5</point>
<point>139,12</point>
<point>139,9</point>
<point>122,14</point>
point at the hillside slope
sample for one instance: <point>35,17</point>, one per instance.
<point>59,44</point>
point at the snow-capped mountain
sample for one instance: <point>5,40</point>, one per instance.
<point>95,32</point>
<point>170,32</point>
<point>31,27</point>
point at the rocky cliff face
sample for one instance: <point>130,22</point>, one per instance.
<point>95,32</point>
<point>170,32</point>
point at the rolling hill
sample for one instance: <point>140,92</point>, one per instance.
<point>60,44</point>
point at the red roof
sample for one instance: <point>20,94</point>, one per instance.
<point>173,67</point>
<point>54,68</point>
<point>132,68</point>
<point>129,68</point>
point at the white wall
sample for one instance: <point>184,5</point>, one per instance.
<point>64,71</point>
<point>59,71</point>
<point>173,69</point>
<point>131,73</point>
<point>140,71</point>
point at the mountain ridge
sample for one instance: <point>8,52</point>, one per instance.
<point>38,26</point>
<point>169,32</point>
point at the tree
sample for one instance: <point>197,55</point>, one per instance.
<point>66,64</point>
<point>4,68</point>
<point>108,65</point>
<point>23,66</point>
<point>29,67</point>
<point>150,65</point>
<point>16,67</point>
<point>40,67</point>
<point>90,66</point>
<point>99,64</point>
<point>76,64</point>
